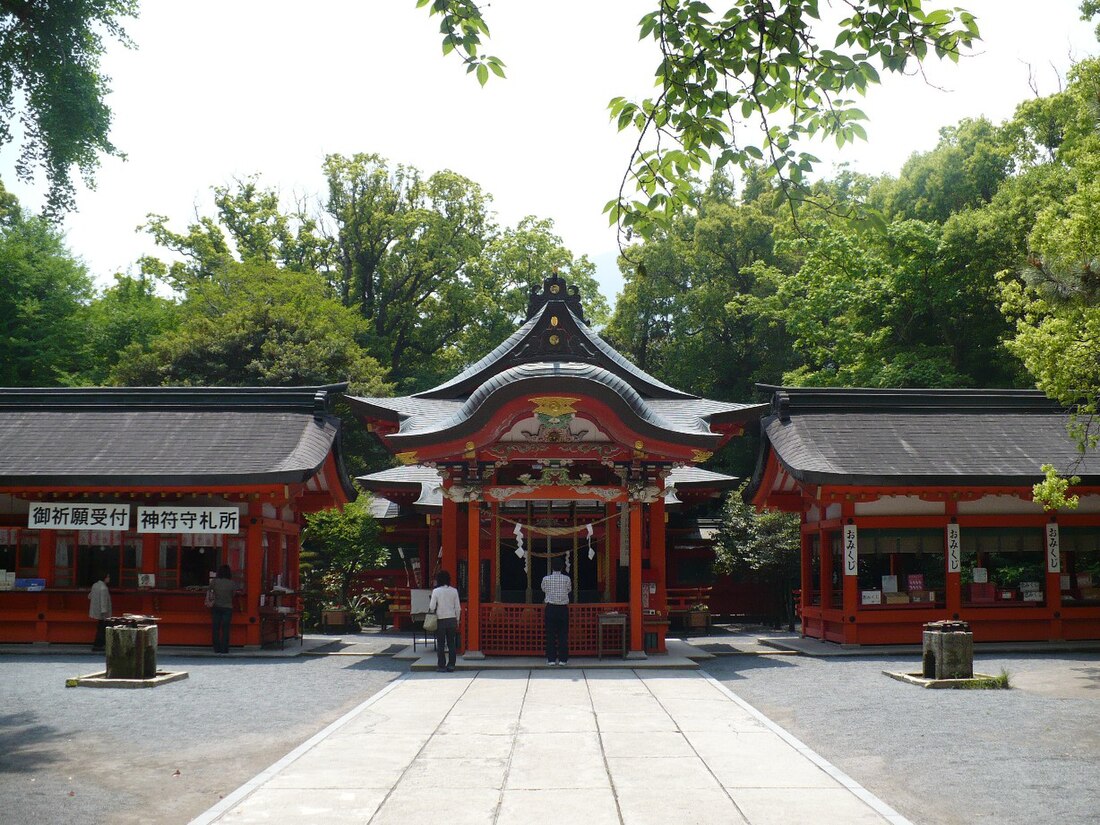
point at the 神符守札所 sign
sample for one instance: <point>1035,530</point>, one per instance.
<point>188,520</point>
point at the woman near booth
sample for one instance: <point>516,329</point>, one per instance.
<point>220,598</point>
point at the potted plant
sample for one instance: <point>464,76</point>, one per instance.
<point>333,614</point>
<point>698,616</point>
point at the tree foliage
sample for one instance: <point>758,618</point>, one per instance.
<point>1053,297</point>
<point>51,80</point>
<point>256,324</point>
<point>43,292</point>
<point>434,282</point>
<point>340,543</point>
<point>766,543</point>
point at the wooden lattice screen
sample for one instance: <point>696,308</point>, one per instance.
<point>518,629</point>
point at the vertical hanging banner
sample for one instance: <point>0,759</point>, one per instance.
<point>1054,555</point>
<point>851,550</point>
<point>954,549</point>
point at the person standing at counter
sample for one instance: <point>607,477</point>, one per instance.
<point>99,608</point>
<point>222,588</point>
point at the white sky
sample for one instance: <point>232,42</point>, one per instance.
<point>218,89</point>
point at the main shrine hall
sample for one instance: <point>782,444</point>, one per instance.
<point>552,446</point>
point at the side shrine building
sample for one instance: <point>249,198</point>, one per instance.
<point>158,488</point>
<point>917,506</point>
<point>552,446</point>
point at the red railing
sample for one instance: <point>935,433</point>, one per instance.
<point>518,629</point>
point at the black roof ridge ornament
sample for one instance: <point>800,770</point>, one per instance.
<point>555,288</point>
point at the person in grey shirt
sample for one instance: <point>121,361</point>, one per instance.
<point>222,587</point>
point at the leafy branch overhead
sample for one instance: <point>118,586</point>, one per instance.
<point>462,25</point>
<point>50,78</point>
<point>747,86</point>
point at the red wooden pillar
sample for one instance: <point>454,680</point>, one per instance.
<point>825,585</point>
<point>636,580</point>
<point>658,554</point>
<point>952,561</point>
<point>806,596</point>
<point>47,546</point>
<point>1053,566</point>
<point>450,539</point>
<point>850,580</point>
<point>430,564</point>
<point>611,551</point>
<point>253,584</point>
<point>473,585</point>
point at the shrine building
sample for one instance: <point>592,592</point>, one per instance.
<point>916,506</point>
<point>158,487</point>
<point>552,446</point>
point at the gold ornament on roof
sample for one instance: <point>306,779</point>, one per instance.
<point>553,320</point>
<point>554,406</point>
<point>699,456</point>
<point>555,289</point>
<point>407,457</point>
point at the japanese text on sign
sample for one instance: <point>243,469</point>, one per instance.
<point>54,516</point>
<point>954,551</point>
<point>851,550</point>
<point>1054,556</point>
<point>188,520</point>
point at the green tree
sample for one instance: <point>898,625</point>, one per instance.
<point>700,306</point>
<point>964,171</point>
<point>336,545</point>
<point>894,310</point>
<point>1053,299</point>
<point>43,292</point>
<point>50,77</point>
<point>764,543</point>
<point>124,318</point>
<point>256,324</point>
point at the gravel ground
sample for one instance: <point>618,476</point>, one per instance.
<point>940,757</point>
<point>1030,754</point>
<point>165,754</point>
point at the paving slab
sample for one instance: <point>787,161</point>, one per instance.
<point>644,758</point>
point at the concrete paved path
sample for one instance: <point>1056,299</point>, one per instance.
<point>623,747</point>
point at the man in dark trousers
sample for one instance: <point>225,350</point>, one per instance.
<point>557,588</point>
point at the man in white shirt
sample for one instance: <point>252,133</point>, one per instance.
<point>557,588</point>
<point>448,610</point>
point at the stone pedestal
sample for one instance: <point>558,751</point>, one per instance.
<point>948,650</point>
<point>132,652</point>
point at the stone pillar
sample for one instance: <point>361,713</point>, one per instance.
<point>132,652</point>
<point>948,651</point>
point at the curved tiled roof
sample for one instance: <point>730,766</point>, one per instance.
<point>518,349</point>
<point>427,484</point>
<point>424,482</point>
<point>921,437</point>
<point>166,436</point>
<point>683,423</point>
